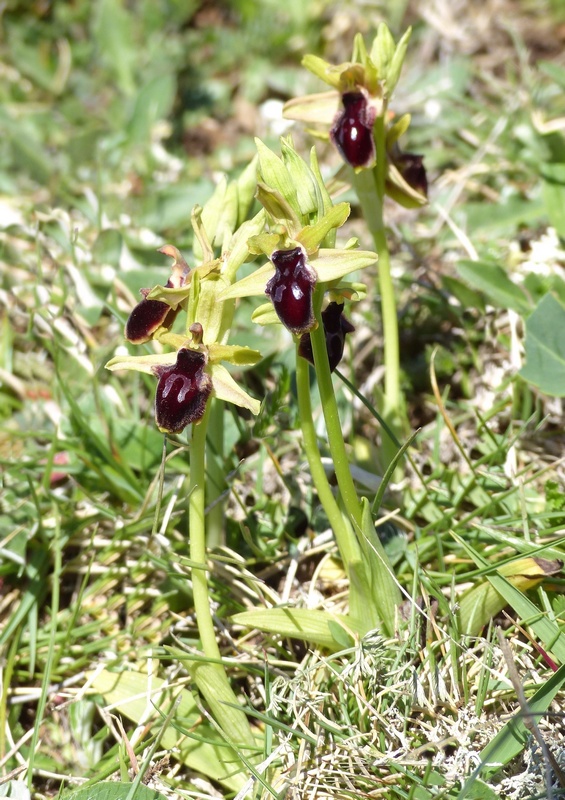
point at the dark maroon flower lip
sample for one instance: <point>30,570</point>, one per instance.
<point>352,131</point>
<point>146,318</point>
<point>291,289</point>
<point>182,391</point>
<point>336,326</point>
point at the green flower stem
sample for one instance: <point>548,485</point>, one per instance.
<point>331,416</point>
<point>212,681</point>
<point>197,532</point>
<point>345,538</point>
<point>369,187</point>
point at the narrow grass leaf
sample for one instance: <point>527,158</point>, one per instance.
<point>310,625</point>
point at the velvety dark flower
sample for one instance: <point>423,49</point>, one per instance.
<point>352,130</point>
<point>146,318</point>
<point>336,326</point>
<point>182,391</point>
<point>291,288</point>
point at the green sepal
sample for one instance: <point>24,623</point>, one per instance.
<point>318,108</point>
<point>253,284</point>
<point>397,61</point>
<point>145,364</point>
<point>225,387</point>
<point>265,314</point>
<point>401,191</point>
<point>311,236</point>
<point>278,207</point>
<point>235,354</point>
<point>334,264</point>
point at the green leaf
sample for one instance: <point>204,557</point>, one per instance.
<point>109,790</point>
<point>133,694</point>
<point>511,740</point>
<point>491,279</point>
<point>113,27</point>
<point>545,347</point>
<point>309,625</point>
<point>544,628</point>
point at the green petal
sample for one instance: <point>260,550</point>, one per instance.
<point>253,284</point>
<point>313,108</point>
<point>334,264</point>
<point>227,389</point>
<point>172,297</point>
<point>265,314</point>
<point>265,243</point>
<point>142,363</point>
<point>201,246</point>
<point>329,73</point>
<point>311,236</point>
<point>235,354</point>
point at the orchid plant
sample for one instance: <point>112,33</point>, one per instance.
<point>356,111</point>
<point>301,275</point>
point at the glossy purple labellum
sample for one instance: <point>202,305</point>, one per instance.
<point>352,131</point>
<point>182,391</point>
<point>291,288</point>
<point>146,318</point>
<point>335,328</point>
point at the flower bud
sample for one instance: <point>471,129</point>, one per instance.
<point>182,391</point>
<point>411,167</point>
<point>291,288</point>
<point>352,131</point>
<point>335,328</point>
